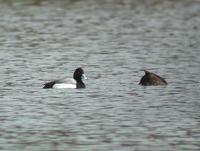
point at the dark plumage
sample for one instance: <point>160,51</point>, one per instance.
<point>49,84</point>
<point>152,79</point>
<point>78,76</point>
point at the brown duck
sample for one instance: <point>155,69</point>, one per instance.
<point>151,79</point>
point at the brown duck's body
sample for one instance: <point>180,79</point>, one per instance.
<point>152,79</point>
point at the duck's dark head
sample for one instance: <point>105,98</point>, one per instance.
<point>79,74</point>
<point>145,79</point>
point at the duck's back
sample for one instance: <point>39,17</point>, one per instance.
<point>156,80</point>
<point>152,79</point>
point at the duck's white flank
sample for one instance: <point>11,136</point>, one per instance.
<point>64,86</point>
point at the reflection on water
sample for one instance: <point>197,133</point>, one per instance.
<point>112,41</point>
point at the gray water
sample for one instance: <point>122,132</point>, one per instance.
<point>112,40</point>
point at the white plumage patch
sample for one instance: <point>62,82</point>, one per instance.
<point>66,83</point>
<point>64,86</point>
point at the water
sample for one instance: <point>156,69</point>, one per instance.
<point>112,40</point>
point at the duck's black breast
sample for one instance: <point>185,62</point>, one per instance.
<point>80,85</point>
<point>152,79</point>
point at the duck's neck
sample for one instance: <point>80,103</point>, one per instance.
<point>80,84</point>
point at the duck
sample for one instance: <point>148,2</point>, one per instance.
<point>75,83</point>
<point>150,79</point>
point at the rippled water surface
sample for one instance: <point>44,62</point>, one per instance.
<point>112,40</point>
